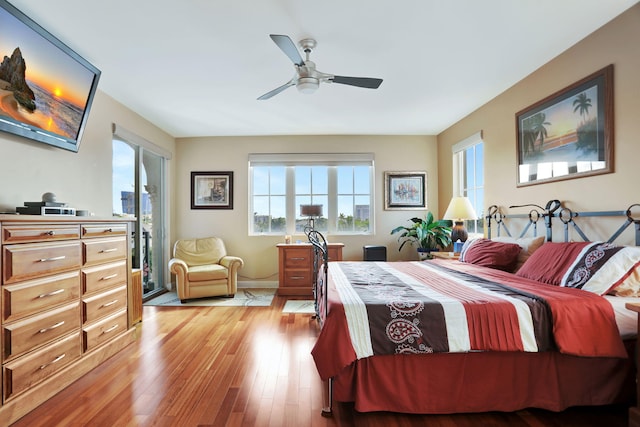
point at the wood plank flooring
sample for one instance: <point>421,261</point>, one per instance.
<point>240,366</point>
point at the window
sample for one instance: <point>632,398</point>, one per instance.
<point>468,179</point>
<point>340,183</point>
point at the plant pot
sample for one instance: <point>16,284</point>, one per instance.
<point>425,253</point>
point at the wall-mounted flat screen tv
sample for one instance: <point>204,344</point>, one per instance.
<point>46,89</point>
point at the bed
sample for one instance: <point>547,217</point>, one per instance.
<point>444,336</point>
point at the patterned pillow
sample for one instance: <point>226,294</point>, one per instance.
<point>551,261</point>
<point>605,268</point>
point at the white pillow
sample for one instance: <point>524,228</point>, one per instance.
<point>528,244</point>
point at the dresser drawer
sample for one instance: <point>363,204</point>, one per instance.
<point>104,330</point>
<point>20,233</point>
<point>27,334</point>
<point>297,257</point>
<point>29,370</point>
<point>101,277</point>
<point>33,260</point>
<point>103,304</point>
<point>103,230</point>
<point>26,298</point>
<point>103,250</point>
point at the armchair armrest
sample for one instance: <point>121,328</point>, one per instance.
<point>231,262</point>
<point>178,266</point>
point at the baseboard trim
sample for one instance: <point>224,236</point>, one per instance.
<point>252,284</point>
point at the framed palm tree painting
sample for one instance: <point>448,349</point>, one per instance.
<point>568,134</point>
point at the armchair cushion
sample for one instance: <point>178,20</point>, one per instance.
<point>198,273</point>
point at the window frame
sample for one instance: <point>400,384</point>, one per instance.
<point>475,227</point>
<point>330,160</point>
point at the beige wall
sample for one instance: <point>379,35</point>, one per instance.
<point>615,43</point>
<point>392,153</point>
<point>83,179</point>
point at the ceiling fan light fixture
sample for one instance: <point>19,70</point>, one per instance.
<point>307,85</point>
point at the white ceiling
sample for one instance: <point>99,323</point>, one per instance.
<point>196,67</point>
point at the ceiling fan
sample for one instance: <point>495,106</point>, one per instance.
<point>307,78</point>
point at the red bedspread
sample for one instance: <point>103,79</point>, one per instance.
<point>418,307</point>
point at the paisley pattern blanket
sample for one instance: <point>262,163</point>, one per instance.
<point>386,308</point>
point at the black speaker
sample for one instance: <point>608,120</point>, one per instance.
<point>374,253</point>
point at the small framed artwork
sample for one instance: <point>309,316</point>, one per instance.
<point>405,190</point>
<point>568,134</point>
<point>211,190</point>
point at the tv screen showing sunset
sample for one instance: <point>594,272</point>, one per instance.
<point>40,85</point>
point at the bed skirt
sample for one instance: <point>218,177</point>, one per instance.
<point>489,381</point>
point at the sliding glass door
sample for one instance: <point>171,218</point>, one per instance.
<point>138,191</point>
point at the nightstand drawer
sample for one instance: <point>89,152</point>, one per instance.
<point>297,257</point>
<point>297,278</point>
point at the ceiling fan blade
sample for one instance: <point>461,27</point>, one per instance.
<point>288,47</point>
<point>276,90</point>
<point>366,82</point>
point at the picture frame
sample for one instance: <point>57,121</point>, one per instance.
<point>405,190</point>
<point>568,134</point>
<point>212,190</point>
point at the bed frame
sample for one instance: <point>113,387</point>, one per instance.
<point>553,210</point>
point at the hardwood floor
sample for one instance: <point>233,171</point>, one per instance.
<point>240,366</point>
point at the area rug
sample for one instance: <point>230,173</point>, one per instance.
<point>244,297</point>
<point>299,306</point>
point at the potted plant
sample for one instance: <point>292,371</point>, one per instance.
<point>427,234</point>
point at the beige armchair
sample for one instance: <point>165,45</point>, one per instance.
<point>203,268</point>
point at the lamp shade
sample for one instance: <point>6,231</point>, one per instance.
<point>311,210</point>
<point>460,208</point>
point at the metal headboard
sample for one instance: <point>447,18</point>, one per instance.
<point>320,257</point>
<point>554,209</point>
<point>567,216</point>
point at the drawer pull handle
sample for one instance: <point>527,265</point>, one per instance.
<point>297,277</point>
<point>109,230</point>
<point>111,276</point>
<point>57,325</point>
<point>111,329</point>
<point>55,258</point>
<point>108,304</point>
<point>300,258</point>
<point>56,360</point>
<point>104,251</point>
<point>50,233</point>
<point>50,294</point>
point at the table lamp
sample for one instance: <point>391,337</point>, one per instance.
<point>311,211</point>
<point>459,209</point>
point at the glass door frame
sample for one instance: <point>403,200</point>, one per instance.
<point>160,232</point>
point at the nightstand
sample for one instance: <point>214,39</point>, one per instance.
<point>446,255</point>
<point>296,267</point>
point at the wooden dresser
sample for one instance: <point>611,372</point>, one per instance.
<point>296,267</point>
<point>64,303</point>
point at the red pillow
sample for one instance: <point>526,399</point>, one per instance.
<point>551,261</point>
<point>487,253</point>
